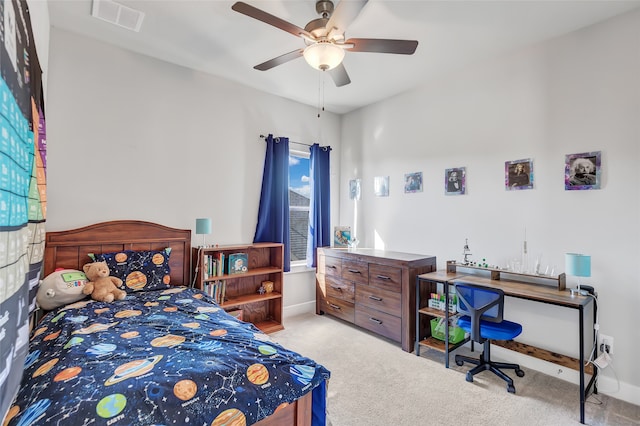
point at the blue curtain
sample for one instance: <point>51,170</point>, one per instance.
<point>319,204</point>
<point>273,214</point>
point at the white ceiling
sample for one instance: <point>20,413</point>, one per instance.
<point>207,35</point>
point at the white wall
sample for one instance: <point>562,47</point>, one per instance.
<point>578,93</point>
<point>131,137</point>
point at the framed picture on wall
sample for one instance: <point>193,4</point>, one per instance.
<point>582,171</point>
<point>413,182</point>
<point>518,174</point>
<point>381,186</point>
<point>455,181</point>
<point>354,189</point>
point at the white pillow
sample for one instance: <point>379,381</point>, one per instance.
<point>61,288</point>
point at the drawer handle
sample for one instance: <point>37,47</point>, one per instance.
<point>376,298</point>
<point>377,321</point>
<point>336,288</point>
<point>382,277</point>
<point>331,266</point>
<point>336,307</point>
<point>354,271</point>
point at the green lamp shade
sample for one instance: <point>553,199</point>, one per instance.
<point>203,226</point>
<point>577,265</point>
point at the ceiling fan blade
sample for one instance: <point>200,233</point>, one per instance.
<point>340,76</point>
<point>279,60</point>
<point>267,18</point>
<point>344,14</point>
<point>380,45</point>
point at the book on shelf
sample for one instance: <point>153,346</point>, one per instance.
<point>216,290</point>
<point>209,267</point>
<point>213,265</point>
<point>238,263</point>
<point>219,260</point>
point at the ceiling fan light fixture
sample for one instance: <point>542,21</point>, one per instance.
<point>323,55</point>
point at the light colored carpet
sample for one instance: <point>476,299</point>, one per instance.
<point>373,382</point>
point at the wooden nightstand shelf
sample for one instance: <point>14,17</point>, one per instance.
<point>426,286</point>
<point>241,290</point>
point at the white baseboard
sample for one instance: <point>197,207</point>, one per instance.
<point>608,384</point>
<point>618,390</point>
<point>300,308</point>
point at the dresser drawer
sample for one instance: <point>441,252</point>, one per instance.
<point>339,289</point>
<point>330,265</point>
<point>378,322</point>
<point>381,300</point>
<point>385,277</point>
<point>355,271</point>
<point>338,308</point>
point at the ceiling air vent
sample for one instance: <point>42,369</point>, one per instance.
<point>117,14</point>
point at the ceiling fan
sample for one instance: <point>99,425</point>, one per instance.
<point>324,38</point>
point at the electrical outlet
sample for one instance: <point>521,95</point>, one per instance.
<point>605,341</point>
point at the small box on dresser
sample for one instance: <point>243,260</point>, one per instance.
<point>374,289</point>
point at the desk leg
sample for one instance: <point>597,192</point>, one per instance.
<point>582,392</point>
<point>417,344</point>
<point>594,379</point>
<point>446,324</point>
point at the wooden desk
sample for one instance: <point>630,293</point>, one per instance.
<point>527,291</point>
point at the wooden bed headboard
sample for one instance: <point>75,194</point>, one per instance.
<point>69,249</point>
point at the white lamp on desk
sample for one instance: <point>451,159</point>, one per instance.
<point>578,265</point>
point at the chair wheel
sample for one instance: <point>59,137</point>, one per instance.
<point>459,363</point>
<point>469,377</point>
<point>519,372</point>
<point>511,388</point>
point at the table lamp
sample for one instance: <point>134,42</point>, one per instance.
<point>203,227</point>
<point>577,265</point>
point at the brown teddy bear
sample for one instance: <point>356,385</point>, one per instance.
<point>101,286</point>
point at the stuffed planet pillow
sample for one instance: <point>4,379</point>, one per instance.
<point>139,270</point>
<point>60,288</point>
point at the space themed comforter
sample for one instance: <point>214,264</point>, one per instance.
<point>166,357</point>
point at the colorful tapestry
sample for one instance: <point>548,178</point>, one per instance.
<point>22,190</point>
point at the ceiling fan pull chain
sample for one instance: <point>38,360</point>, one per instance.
<point>319,92</point>
<point>320,103</point>
<point>323,80</point>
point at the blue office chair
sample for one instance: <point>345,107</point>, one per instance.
<point>483,308</point>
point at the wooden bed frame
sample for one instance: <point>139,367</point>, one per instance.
<point>70,249</point>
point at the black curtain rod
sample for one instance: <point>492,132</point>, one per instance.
<point>299,143</point>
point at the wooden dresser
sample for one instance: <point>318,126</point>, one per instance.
<point>374,289</point>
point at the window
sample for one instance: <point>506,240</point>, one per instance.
<point>299,191</point>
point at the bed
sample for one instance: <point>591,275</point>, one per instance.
<point>163,355</point>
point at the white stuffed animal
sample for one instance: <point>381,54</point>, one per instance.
<point>60,288</point>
